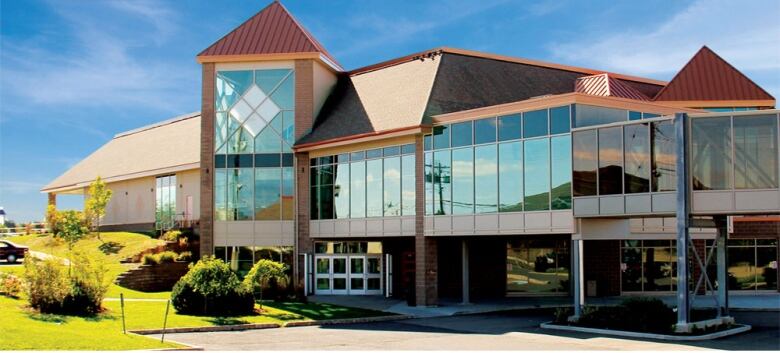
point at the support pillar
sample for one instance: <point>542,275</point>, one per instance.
<point>426,287</point>
<point>722,260</point>
<point>578,256</point>
<point>52,199</point>
<point>465,271</point>
<point>683,216</point>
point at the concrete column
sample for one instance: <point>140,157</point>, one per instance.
<point>683,215</point>
<point>578,275</point>
<point>722,261</point>
<point>465,271</point>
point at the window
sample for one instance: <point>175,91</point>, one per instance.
<point>220,194</point>
<point>755,152</point>
<point>589,115</point>
<point>610,161</point>
<point>486,179</point>
<point>165,203</point>
<point>463,181</point>
<point>267,193</point>
<point>648,265</point>
<point>664,157</point>
<point>341,191</point>
<point>392,187</point>
<point>636,149</point>
<point>429,183</point>
<point>510,176</point>
<point>357,188</point>
<point>752,264</point>
<point>407,185</point>
<point>442,197</point>
<point>560,167</point>
<point>374,188</point>
<point>535,123</point>
<point>585,162</point>
<point>441,137</point>
<point>537,174</point>
<point>240,194</point>
<point>461,134</point>
<point>538,266</point>
<point>288,194</point>
<point>509,127</point>
<point>484,131</point>
<point>632,115</point>
<point>560,122</point>
<point>711,153</point>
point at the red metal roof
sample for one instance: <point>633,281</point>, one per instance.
<point>607,86</point>
<point>707,77</point>
<point>273,30</point>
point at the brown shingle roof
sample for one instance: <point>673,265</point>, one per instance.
<point>273,30</point>
<point>707,77</point>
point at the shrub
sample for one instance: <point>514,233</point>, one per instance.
<point>184,256</point>
<point>150,259</point>
<point>47,284</point>
<point>166,257</point>
<point>171,235</point>
<point>633,314</point>
<point>10,285</point>
<point>263,273</point>
<point>210,287</point>
<point>562,315</point>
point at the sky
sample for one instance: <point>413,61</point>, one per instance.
<point>74,73</point>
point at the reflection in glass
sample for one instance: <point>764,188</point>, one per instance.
<point>239,194</point>
<point>442,196</point>
<point>631,268</point>
<point>509,127</point>
<point>486,179</point>
<point>711,153</point>
<point>585,163</point>
<point>341,191</point>
<point>537,266</point>
<point>267,193</point>
<point>560,162</point>
<point>664,157</point>
<point>392,187</point>
<point>537,175</point>
<point>374,188</point>
<point>441,137</point>
<point>742,268</point>
<point>610,161</point>
<point>461,134</point>
<point>589,115</point>
<point>357,189</point>
<point>220,194</point>
<point>755,152</point>
<point>484,131</point>
<point>766,268</point>
<point>428,183</point>
<point>535,123</point>
<point>658,265</point>
<point>559,120</point>
<point>462,181</point>
<point>407,185</point>
<point>636,148</point>
<point>510,176</point>
<point>288,196</point>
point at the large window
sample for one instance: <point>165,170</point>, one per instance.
<point>664,157</point>
<point>610,161</point>
<point>537,174</point>
<point>510,176</point>
<point>755,152</point>
<point>486,179</point>
<point>253,136</point>
<point>165,202</point>
<point>442,183</point>
<point>752,264</point>
<point>536,266</point>
<point>242,258</point>
<point>711,153</point>
<point>648,265</point>
<point>462,181</point>
<point>636,149</point>
<point>560,163</point>
<point>586,162</point>
<point>373,183</point>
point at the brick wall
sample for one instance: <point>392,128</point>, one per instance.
<point>207,161</point>
<point>602,264</point>
<point>426,255</point>
<point>756,229</point>
<point>304,120</point>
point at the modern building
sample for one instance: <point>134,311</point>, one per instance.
<point>458,174</point>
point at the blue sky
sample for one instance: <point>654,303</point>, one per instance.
<point>74,73</point>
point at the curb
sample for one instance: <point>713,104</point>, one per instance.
<point>657,336</point>
<point>243,327</point>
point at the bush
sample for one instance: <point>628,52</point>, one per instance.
<point>166,257</point>
<point>184,256</point>
<point>171,235</point>
<point>150,259</point>
<point>211,288</point>
<point>47,284</point>
<point>10,285</point>
<point>562,315</point>
<point>633,314</point>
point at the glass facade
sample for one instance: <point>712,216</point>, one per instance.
<point>242,258</point>
<point>254,133</point>
<point>755,152</point>
<point>752,264</point>
<point>513,164</point>
<point>590,115</point>
<point>373,183</point>
<point>648,265</point>
<point>165,202</point>
<point>536,266</point>
<point>711,153</point>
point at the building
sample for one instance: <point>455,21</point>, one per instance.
<point>452,173</point>
<point>152,171</point>
<point>2,216</point>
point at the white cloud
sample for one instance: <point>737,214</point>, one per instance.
<point>745,33</point>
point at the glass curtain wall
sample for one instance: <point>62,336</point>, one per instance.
<point>648,265</point>
<point>752,264</point>
<point>254,133</point>
<point>372,183</point>
<point>536,266</point>
<point>513,163</point>
<point>165,202</point>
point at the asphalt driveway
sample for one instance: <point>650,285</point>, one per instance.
<point>505,331</point>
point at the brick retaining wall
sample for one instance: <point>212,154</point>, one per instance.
<point>153,278</point>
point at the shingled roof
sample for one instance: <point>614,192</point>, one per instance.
<point>273,30</point>
<point>707,77</point>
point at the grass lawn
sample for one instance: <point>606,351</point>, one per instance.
<point>321,311</point>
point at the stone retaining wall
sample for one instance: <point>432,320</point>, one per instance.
<point>153,278</point>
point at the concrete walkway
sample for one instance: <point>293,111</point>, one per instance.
<point>758,302</point>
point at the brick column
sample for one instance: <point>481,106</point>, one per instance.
<point>304,120</point>
<point>52,199</point>
<point>426,253</point>
<point>207,161</point>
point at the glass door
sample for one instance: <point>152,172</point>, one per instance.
<point>374,275</point>
<point>322,282</point>
<point>339,271</point>
<point>357,275</point>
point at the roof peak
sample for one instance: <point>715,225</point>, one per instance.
<point>271,31</point>
<point>606,85</point>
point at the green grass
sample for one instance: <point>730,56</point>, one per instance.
<point>23,329</point>
<point>149,315</point>
<point>321,311</point>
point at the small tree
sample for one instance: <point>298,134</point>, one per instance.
<point>52,218</point>
<point>262,273</point>
<point>211,277</point>
<point>95,207</point>
<point>72,227</point>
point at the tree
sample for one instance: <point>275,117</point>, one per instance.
<point>72,227</point>
<point>263,272</point>
<point>95,207</point>
<point>52,219</point>
<point>211,277</point>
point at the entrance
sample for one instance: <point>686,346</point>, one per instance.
<point>348,274</point>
